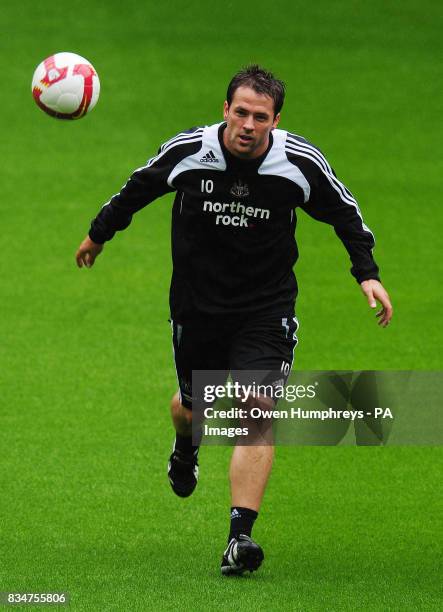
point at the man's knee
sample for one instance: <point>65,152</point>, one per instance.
<point>262,403</point>
<point>258,421</point>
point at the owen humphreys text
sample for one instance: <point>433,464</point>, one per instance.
<point>242,392</point>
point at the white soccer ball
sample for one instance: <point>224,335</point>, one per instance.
<point>65,86</point>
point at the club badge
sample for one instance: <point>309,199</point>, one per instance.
<point>239,189</point>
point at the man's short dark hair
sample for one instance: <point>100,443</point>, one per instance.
<point>261,81</point>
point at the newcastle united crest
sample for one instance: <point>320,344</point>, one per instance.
<point>239,189</point>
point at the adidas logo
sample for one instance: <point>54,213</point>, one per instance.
<point>209,158</point>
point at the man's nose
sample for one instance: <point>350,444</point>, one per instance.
<point>249,123</point>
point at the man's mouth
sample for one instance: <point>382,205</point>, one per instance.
<point>245,139</point>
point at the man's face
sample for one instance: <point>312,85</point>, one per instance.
<point>250,119</point>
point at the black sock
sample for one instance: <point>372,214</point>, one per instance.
<point>242,521</point>
<point>184,444</point>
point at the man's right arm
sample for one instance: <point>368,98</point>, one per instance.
<point>145,185</point>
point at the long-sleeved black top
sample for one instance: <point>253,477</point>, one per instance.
<point>233,220</point>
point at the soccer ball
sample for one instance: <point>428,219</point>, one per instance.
<point>65,86</point>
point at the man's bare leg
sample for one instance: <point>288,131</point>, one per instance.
<point>249,473</point>
<point>251,461</point>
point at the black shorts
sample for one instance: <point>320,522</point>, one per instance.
<point>256,342</point>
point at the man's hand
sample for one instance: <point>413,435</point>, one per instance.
<point>87,252</point>
<point>374,290</point>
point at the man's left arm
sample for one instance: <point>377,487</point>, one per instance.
<point>331,202</point>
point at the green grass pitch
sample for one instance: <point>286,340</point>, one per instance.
<point>86,367</point>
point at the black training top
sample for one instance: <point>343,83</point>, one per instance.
<point>233,220</point>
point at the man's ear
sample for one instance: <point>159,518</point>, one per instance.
<point>276,121</point>
<point>225,110</point>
